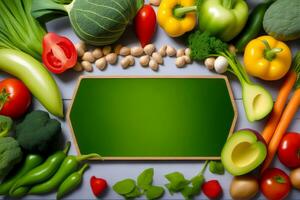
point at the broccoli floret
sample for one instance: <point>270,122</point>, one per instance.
<point>10,154</point>
<point>38,133</point>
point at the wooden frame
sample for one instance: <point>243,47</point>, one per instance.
<point>142,77</point>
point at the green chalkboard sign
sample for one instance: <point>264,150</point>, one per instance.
<point>152,118</point>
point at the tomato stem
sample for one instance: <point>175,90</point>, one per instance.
<point>3,98</point>
<point>279,179</point>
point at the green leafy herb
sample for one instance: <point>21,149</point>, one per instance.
<point>188,188</point>
<point>216,167</point>
<point>124,187</point>
<point>133,194</point>
<point>154,192</point>
<point>145,179</point>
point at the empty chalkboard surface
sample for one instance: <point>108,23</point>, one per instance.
<point>152,118</point>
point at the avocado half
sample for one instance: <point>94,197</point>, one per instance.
<point>243,152</point>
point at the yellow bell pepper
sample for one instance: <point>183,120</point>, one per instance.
<point>267,58</point>
<point>183,22</point>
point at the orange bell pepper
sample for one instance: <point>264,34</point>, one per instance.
<point>267,58</point>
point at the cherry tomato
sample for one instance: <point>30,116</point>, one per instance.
<point>15,98</point>
<point>59,53</point>
<point>212,189</point>
<point>289,150</point>
<point>275,184</point>
<point>145,24</point>
<point>98,185</point>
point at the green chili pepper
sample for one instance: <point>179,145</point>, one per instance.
<point>71,183</point>
<point>5,125</point>
<point>30,162</point>
<point>19,192</point>
<point>69,165</point>
<point>42,172</point>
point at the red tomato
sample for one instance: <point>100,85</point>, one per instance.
<point>145,24</point>
<point>98,185</point>
<point>289,150</point>
<point>59,53</point>
<point>15,98</point>
<point>275,184</point>
<point>212,189</point>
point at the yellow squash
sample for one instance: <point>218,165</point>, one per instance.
<point>267,58</point>
<point>176,25</point>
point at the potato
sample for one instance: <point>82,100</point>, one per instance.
<point>244,187</point>
<point>295,178</point>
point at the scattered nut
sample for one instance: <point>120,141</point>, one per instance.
<point>88,56</point>
<point>78,67</point>
<point>97,53</point>
<point>187,52</point>
<point>187,59</point>
<point>232,49</point>
<point>153,65</point>
<point>180,52</point>
<point>162,51</point>
<point>117,49</point>
<point>87,66</point>
<point>124,51</point>
<point>137,51</point>
<point>144,61</point>
<point>101,63</point>
<point>155,2</point>
<point>131,60</point>
<point>209,63</point>
<point>180,62</point>
<point>111,58</point>
<point>149,49</point>
<point>171,51</point>
<point>80,49</point>
<point>158,58</point>
<point>106,50</point>
<point>125,63</point>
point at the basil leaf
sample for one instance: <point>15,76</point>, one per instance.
<point>154,192</point>
<point>168,186</point>
<point>216,167</point>
<point>133,194</point>
<point>187,192</point>
<point>124,187</point>
<point>197,182</point>
<point>177,181</point>
<point>145,179</point>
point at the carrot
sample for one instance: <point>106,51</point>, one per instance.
<point>286,118</point>
<point>279,105</point>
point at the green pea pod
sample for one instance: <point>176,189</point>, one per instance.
<point>69,165</point>
<point>42,172</point>
<point>253,27</point>
<point>5,125</point>
<point>31,161</point>
<point>71,182</point>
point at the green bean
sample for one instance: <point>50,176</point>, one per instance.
<point>71,182</point>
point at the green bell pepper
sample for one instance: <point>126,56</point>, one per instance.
<point>5,125</point>
<point>223,18</point>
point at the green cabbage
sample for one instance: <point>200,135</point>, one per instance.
<point>282,20</point>
<point>96,22</point>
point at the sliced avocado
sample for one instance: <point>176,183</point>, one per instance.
<point>257,101</point>
<point>243,152</point>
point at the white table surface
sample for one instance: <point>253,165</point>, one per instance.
<point>116,171</point>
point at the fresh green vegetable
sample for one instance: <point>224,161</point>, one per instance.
<point>129,189</point>
<point>253,27</point>
<point>18,29</point>
<point>216,167</point>
<point>31,161</point>
<point>71,182</point>
<point>257,101</point>
<point>10,155</point>
<point>282,20</point>
<point>5,125</point>
<point>37,132</point>
<point>34,76</point>
<point>188,188</point>
<point>67,167</point>
<point>42,172</point>
<point>95,22</point>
